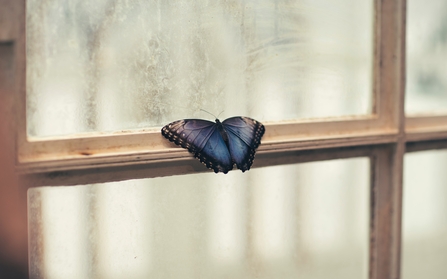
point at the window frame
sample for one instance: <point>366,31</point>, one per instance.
<point>384,137</point>
<point>84,151</point>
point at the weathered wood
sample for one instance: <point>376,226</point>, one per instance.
<point>387,164</point>
<point>185,166</point>
<point>426,145</point>
<point>426,128</point>
<point>92,158</point>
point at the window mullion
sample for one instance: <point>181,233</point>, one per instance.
<point>387,164</point>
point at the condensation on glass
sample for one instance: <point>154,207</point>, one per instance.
<point>99,66</point>
<point>425,215</point>
<point>426,88</point>
<point>298,221</point>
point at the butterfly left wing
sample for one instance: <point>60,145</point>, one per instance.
<point>244,136</point>
<point>203,140</point>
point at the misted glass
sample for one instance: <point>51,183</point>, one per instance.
<point>99,66</point>
<point>307,221</point>
<point>426,88</point>
<point>424,227</point>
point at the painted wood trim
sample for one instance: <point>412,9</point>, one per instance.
<point>426,128</point>
<point>426,145</point>
<point>387,166</point>
<point>185,166</point>
<point>169,153</point>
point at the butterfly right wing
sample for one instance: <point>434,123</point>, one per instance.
<point>203,140</point>
<point>244,136</point>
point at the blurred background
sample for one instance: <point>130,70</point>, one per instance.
<point>118,65</point>
<point>13,210</point>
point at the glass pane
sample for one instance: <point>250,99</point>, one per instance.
<point>426,57</point>
<point>117,65</point>
<point>425,215</point>
<point>299,221</point>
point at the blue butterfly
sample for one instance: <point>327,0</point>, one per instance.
<point>218,145</point>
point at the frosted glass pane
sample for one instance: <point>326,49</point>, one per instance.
<point>298,221</point>
<point>96,66</point>
<point>425,215</point>
<point>426,57</point>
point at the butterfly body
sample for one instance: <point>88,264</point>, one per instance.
<point>219,145</point>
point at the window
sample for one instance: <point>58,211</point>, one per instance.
<point>424,226</point>
<point>295,57</point>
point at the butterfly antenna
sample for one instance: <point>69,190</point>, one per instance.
<point>220,114</point>
<point>208,113</point>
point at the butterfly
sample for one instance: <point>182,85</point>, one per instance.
<point>219,145</point>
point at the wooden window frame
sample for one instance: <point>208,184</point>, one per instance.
<point>65,154</point>
<point>384,137</point>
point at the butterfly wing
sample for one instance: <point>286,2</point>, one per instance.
<point>203,140</point>
<point>244,136</point>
